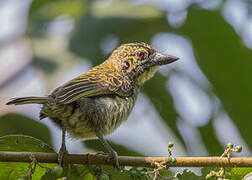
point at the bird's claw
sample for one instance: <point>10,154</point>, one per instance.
<point>114,157</point>
<point>63,151</point>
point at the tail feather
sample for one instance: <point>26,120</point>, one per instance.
<point>28,100</point>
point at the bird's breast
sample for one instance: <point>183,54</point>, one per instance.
<point>99,115</point>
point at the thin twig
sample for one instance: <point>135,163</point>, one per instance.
<point>126,160</point>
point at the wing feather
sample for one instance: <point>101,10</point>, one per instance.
<point>97,81</point>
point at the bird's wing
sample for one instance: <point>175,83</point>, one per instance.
<point>96,82</point>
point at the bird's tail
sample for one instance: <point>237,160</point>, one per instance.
<point>28,100</point>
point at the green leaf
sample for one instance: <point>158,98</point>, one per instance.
<point>19,124</point>
<point>37,4</point>
<point>49,176</point>
<point>78,172</point>
<point>248,176</point>
<point>13,171</point>
<point>87,36</point>
<point>53,8</point>
<point>115,174</point>
<point>46,65</point>
<point>124,9</point>
<point>239,173</point>
<point>166,173</point>
<point>236,173</point>
<point>121,150</point>
<point>89,176</point>
<point>212,144</point>
<point>188,175</point>
<point>43,12</point>
<point>53,174</point>
<point>103,177</point>
<point>19,143</point>
<point>206,170</point>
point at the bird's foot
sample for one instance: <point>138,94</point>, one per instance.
<point>113,155</point>
<point>63,152</point>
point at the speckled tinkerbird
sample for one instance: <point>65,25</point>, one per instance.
<point>95,103</point>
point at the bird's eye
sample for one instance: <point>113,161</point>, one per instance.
<point>140,55</point>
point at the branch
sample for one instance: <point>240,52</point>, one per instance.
<point>94,159</point>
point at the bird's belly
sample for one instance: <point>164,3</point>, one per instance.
<point>99,115</point>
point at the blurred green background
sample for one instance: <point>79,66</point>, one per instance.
<point>201,102</point>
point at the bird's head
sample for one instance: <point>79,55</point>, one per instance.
<point>138,61</point>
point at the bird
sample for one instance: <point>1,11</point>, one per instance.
<point>95,103</point>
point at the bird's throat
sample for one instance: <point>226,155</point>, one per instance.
<point>149,73</point>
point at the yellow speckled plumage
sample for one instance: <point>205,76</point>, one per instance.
<point>106,78</point>
<point>98,101</point>
<point>100,80</point>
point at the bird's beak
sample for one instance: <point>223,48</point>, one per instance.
<point>162,59</point>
